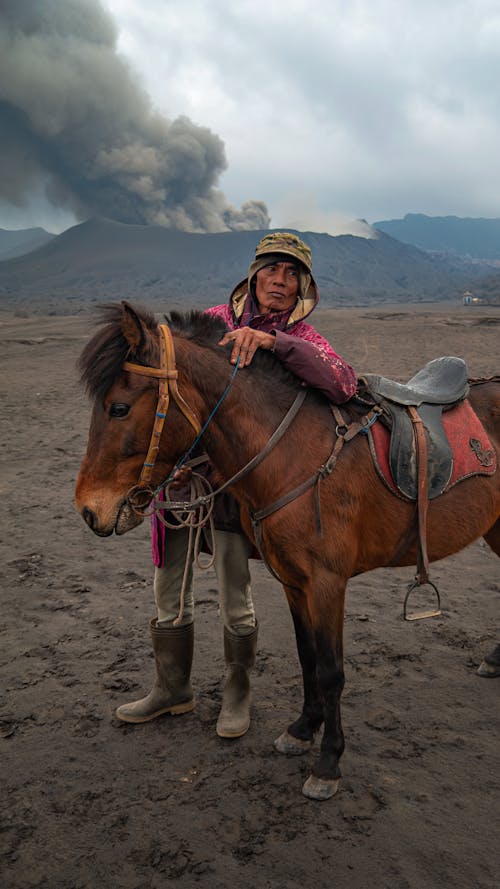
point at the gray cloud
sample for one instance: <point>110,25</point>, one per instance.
<point>74,119</point>
<point>373,109</point>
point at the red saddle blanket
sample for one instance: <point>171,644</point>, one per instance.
<point>472,451</point>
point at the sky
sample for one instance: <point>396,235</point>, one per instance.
<point>284,112</point>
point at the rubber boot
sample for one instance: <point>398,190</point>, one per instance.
<point>239,652</point>
<point>172,692</point>
<point>490,667</point>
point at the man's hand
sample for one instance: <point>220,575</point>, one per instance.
<point>245,342</point>
<point>181,478</point>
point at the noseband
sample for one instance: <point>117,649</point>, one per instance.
<point>167,375</point>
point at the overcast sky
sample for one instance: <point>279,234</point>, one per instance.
<point>327,109</point>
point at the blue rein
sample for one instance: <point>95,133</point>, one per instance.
<point>203,429</point>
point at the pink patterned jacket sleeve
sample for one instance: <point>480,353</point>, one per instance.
<point>309,356</point>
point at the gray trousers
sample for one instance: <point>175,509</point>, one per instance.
<point>233,580</point>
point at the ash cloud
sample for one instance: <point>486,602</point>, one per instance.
<point>73,118</point>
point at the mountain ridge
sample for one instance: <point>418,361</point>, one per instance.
<point>19,242</point>
<point>474,238</point>
<point>101,260</point>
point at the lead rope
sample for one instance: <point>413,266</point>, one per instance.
<point>196,522</point>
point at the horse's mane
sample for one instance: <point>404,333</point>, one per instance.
<point>195,325</point>
<point>102,358</point>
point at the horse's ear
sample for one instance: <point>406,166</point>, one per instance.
<point>133,328</point>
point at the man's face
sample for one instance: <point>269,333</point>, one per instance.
<point>277,287</point>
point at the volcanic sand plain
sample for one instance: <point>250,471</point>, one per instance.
<point>91,802</point>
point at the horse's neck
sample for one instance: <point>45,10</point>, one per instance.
<point>238,431</point>
<point>242,424</point>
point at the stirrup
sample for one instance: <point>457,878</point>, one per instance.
<point>421,615</point>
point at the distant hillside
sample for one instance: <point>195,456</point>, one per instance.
<point>102,260</point>
<point>470,238</point>
<point>18,243</point>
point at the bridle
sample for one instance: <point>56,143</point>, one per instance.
<point>167,375</point>
<point>140,495</point>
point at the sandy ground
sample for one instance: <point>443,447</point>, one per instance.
<point>89,802</point>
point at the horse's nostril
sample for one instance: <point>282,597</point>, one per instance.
<point>89,517</point>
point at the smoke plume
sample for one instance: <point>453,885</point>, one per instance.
<point>73,119</point>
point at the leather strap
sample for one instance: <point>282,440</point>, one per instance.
<point>344,432</point>
<point>422,496</point>
<point>157,372</point>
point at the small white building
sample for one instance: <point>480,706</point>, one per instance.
<point>470,299</point>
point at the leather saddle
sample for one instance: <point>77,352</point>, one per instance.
<point>440,385</point>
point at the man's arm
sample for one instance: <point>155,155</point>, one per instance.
<point>304,353</point>
<point>311,358</point>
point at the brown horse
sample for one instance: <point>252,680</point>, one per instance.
<point>363,523</point>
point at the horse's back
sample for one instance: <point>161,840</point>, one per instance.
<point>485,400</point>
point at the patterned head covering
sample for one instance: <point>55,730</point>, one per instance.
<point>284,243</point>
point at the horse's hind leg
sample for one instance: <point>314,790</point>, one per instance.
<point>325,776</point>
<point>327,616</point>
<point>490,666</point>
<point>300,734</point>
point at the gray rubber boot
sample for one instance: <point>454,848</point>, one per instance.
<point>490,667</point>
<point>172,692</point>
<point>239,652</point>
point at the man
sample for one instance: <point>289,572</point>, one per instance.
<point>267,310</point>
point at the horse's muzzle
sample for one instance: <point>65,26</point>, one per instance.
<point>125,520</point>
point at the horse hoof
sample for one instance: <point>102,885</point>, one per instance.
<point>291,746</point>
<point>488,671</point>
<point>320,788</point>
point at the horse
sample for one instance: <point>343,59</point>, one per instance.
<point>363,525</point>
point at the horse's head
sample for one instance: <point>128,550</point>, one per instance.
<point>123,416</point>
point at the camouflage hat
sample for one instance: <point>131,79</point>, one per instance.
<point>287,244</point>
<point>277,246</point>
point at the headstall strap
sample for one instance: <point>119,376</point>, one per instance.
<point>161,412</point>
<point>167,376</point>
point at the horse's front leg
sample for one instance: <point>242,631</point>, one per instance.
<point>300,734</point>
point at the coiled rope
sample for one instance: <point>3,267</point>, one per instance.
<point>196,521</point>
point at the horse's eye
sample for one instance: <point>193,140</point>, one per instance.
<point>118,410</point>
